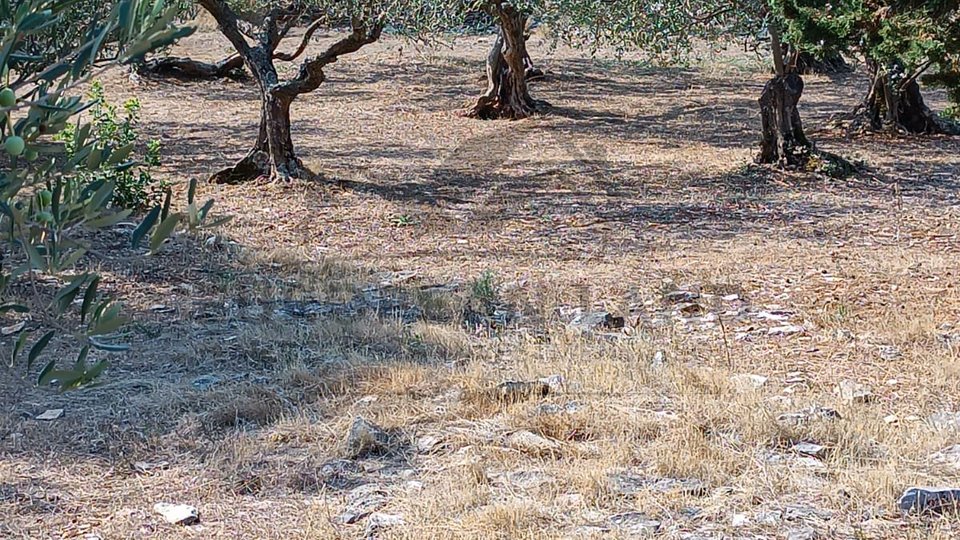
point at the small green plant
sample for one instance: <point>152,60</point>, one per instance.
<point>484,288</point>
<point>403,220</point>
<point>116,130</point>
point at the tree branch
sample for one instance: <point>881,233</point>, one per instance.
<point>311,74</point>
<point>303,43</point>
<point>227,20</point>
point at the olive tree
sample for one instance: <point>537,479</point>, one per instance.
<point>900,40</point>
<point>47,210</point>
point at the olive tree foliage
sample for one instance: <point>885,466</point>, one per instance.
<point>900,40</point>
<point>49,214</point>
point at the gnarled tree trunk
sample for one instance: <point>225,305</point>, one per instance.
<point>900,105</point>
<point>273,155</point>
<point>783,141</point>
<point>507,95</point>
<point>188,68</point>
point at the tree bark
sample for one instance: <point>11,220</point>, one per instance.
<point>899,106</point>
<point>273,156</point>
<point>189,68</point>
<point>783,141</point>
<point>507,95</point>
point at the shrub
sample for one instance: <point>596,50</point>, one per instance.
<point>117,129</point>
<point>51,199</point>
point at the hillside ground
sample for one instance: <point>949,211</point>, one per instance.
<point>436,257</point>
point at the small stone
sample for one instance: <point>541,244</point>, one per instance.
<point>145,467</point>
<point>746,382</point>
<point>378,521</point>
<point>809,449</point>
<point>785,330</point>
<point>635,523</point>
<point>366,438</point>
<point>50,414</point>
<point>929,500</point>
<point>854,392</point>
<point>891,419</point>
<point>177,514</point>
<point>592,321</point>
<point>731,298</point>
<point>428,443</point>
<point>679,297</point>
<point>739,520</point>
<point>659,359</point>
<point>205,382</point>
<point>532,443</point>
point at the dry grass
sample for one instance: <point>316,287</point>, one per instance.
<point>636,186</point>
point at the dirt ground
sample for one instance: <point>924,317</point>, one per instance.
<point>437,257</point>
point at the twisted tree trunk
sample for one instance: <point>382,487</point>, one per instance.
<point>273,155</point>
<point>189,68</point>
<point>507,95</point>
<point>782,139</point>
<point>899,105</point>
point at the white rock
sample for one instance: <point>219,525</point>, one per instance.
<point>739,520</point>
<point>532,443</point>
<point>785,330</point>
<point>854,392</point>
<point>177,514</point>
<point>367,400</point>
<point>745,382</point>
<point>809,449</point>
<point>50,414</point>
<point>428,443</point>
<point>379,521</point>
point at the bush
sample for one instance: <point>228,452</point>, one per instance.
<point>117,128</point>
<point>51,199</point>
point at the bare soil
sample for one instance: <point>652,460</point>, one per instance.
<point>437,256</point>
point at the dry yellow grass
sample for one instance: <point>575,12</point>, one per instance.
<point>634,188</point>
